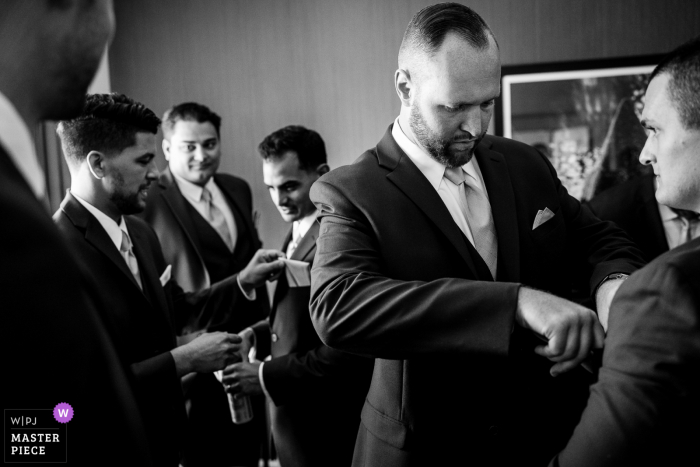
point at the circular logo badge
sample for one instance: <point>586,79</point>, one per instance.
<point>63,413</point>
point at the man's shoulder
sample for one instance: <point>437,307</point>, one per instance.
<point>229,180</point>
<point>620,196</point>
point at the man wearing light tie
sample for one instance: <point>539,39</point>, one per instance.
<point>315,392</point>
<point>110,151</point>
<point>204,221</point>
<point>442,252</point>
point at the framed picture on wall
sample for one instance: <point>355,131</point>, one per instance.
<point>584,116</point>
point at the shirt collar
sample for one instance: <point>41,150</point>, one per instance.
<point>17,140</point>
<point>192,191</point>
<point>667,213</point>
<point>432,169</point>
<point>299,228</point>
<point>113,229</point>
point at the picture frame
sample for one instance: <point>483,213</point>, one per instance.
<point>582,115</point>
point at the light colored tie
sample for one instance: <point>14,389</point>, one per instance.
<point>128,254</point>
<point>477,211</point>
<point>216,219</point>
<point>296,238</point>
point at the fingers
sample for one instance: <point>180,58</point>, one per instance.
<point>268,256</point>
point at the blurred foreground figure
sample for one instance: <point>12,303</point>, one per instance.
<point>55,344</point>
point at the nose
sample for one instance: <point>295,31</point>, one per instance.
<point>646,157</point>
<point>153,172</point>
<point>472,121</point>
<point>199,154</point>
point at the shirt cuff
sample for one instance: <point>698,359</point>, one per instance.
<point>262,381</point>
<point>611,277</point>
<point>252,295</point>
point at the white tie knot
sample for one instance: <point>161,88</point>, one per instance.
<point>126,242</point>
<point>456,175</point>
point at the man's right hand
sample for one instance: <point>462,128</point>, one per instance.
<point>209,352</point>
<point>264,266</point>
<point>571,330</point>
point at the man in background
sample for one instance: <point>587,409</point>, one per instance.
<point>315,392</point>
<point>55,344</point>
<point>204,222</point>
<point>644,407</point>
<point>441,254</point>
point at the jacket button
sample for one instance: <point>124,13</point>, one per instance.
<point>274,337</point>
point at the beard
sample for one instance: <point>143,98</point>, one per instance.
<point>437,147</point>
<point>127,203</point>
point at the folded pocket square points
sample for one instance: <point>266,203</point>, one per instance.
<point>543,215</point>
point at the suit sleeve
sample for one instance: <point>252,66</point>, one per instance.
<point>295,376</point>
<point>649,367</point>
<point>356,308</point>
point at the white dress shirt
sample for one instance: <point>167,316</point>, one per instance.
<point>17,140</point>
<point>299,229</point>
<point>434,172</point>
<point>113,229</point>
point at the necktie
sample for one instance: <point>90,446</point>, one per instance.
<point>688,220</point>
<point>296,238</point>
<point>477,211</point>
<point>128,254</point>
<point>217,220</point>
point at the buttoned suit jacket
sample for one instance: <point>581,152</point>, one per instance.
<point>143,321</point>
<point>633,207</point>
<point>395,278</point>
<point>167,211</point>
<point>644,407</point>
<point>56,347</point>
<point>317,392</point>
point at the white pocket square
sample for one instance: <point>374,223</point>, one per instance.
<point>165,277</point>
<point>542,217</point>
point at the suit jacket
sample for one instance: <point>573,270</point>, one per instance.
<point>56,347</point>
<point>317,392</point>
<point>632,205</point>
<point>644,408</point>
<point>143,321</point>
<point>396,279</point>
<point>169,213</point>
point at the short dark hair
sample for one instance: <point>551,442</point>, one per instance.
<point>190,111</point>
<point>683,68</point>
<point>429,27</point>
<point>309,146</point>
<point>107,123</point>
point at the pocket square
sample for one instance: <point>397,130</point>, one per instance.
<point>165,277</point>
<point>542,217</point>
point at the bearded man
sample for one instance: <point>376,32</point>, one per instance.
<point>443,251</point>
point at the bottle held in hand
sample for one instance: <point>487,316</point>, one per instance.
<point>241,408</point>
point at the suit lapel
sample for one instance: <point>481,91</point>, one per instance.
<point>150,277</point>
<point>307,245</point>
<point>174,198</point>
<point>95,234</point>
<point>500,190</point>
<point>409,179</point>
<point>235,198</point>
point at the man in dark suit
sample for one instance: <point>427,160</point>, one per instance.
<point>644,407</point>
<point>315,392</point>
<point>202,252</point>
<point>413,235</point>
<point>55,345</point>
<point>110,150</point>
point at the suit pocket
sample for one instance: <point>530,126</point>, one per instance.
<point>384,427</point>
<point>545,231</point>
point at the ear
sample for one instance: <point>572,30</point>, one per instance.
<point>96,164</point>
<point>404,86</point>
<point>166,149</point>
<point>322,169</point>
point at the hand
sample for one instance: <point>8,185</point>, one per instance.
<point>264,266</point>
<point>604,297</point>
<point>243,378</point>
<point>571,330</point>
<point>207,353</point>
<point>247,344</point>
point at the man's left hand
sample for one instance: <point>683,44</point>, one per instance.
<point>242,378</point>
